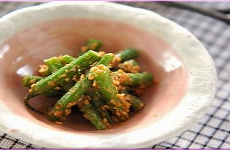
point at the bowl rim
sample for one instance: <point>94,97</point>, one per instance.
<point>201,84</point>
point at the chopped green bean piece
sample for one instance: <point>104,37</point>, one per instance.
<point>99,103</point>
<point>73,96</point>
<point>28,80</point>
<point>53,64</point>
<point>135,102</point>
<point>129,66</point>
<point>68,71</point>
<point>91,114</point>
<point>127,54</point>
<point>140,79</point>
<point>133,79</point>
<point>63,107</point>
<point>108,90</point>
<point>91,44</point>
<point>66,59</point>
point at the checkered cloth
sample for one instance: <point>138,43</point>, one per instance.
<point>212,131</point>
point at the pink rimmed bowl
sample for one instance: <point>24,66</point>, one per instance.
<point>183,68</point>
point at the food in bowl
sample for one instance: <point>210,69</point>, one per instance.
<point>184,70</point>
<point>104,86</point>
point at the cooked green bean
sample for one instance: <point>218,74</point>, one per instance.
<point>99,103</point>
<point>140,79</point>
<point>135,102</point>
<point>66,59</point>
<point>104,86</point>
<point>127,54</point>
<point>91,114</point>
<point>53,64</point>
<point>67,72</point>
<point>91,44</point>
<point>133,79</point>
<point>108,90</point>
<point>73,96</point>
<point>28,80</point>
<point>63,106</point>
<point>129,66</point>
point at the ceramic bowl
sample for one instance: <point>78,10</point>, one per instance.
<point>183,68</point>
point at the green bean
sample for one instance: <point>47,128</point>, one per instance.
<point>140,79</point>
<point>28,80</point>
<point>72,97</point>
<point>108,90</point>
<point>99,103</point>
<point>133,79</point>
<point>66,59</point>
<point>91,44</point>
<point>91,114</point>
<point>130,66</point>
<point>135,102</point>
<point>127,54</point>
<point>104,81</point>
<point>55,63</point>
<point>67,72</point>
<point>67,84</point>
<point>63,107</point>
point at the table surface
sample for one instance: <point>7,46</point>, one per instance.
<point>212,130</point>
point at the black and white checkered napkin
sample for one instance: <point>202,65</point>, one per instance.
<point>212,131</point>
